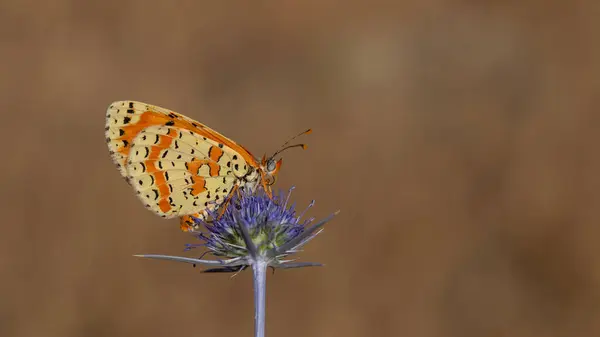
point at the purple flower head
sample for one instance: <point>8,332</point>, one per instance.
<point>254,227</point>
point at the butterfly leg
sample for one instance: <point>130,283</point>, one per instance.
<point>225,204</point>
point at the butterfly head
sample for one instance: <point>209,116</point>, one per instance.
<point>269,167</point>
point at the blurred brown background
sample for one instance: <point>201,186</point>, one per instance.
<point>459,139</point>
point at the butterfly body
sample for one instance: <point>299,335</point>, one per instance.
<point>178,166</point>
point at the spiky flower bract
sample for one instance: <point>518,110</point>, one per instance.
<point>253,228</point>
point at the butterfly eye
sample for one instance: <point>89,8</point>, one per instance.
<point>271,165</point>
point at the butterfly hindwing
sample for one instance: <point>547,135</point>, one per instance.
<point>178,172</point>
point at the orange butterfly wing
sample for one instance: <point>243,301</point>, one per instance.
<point>178,166</point>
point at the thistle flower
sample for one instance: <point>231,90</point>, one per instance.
<point>254,227</point>
<point>254,231</point>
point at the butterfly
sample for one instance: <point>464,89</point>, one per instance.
<point>180,167</point>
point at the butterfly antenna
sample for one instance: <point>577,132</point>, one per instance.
<point>284,147</point>
<point>303,146</point>
<point>306,132</point>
